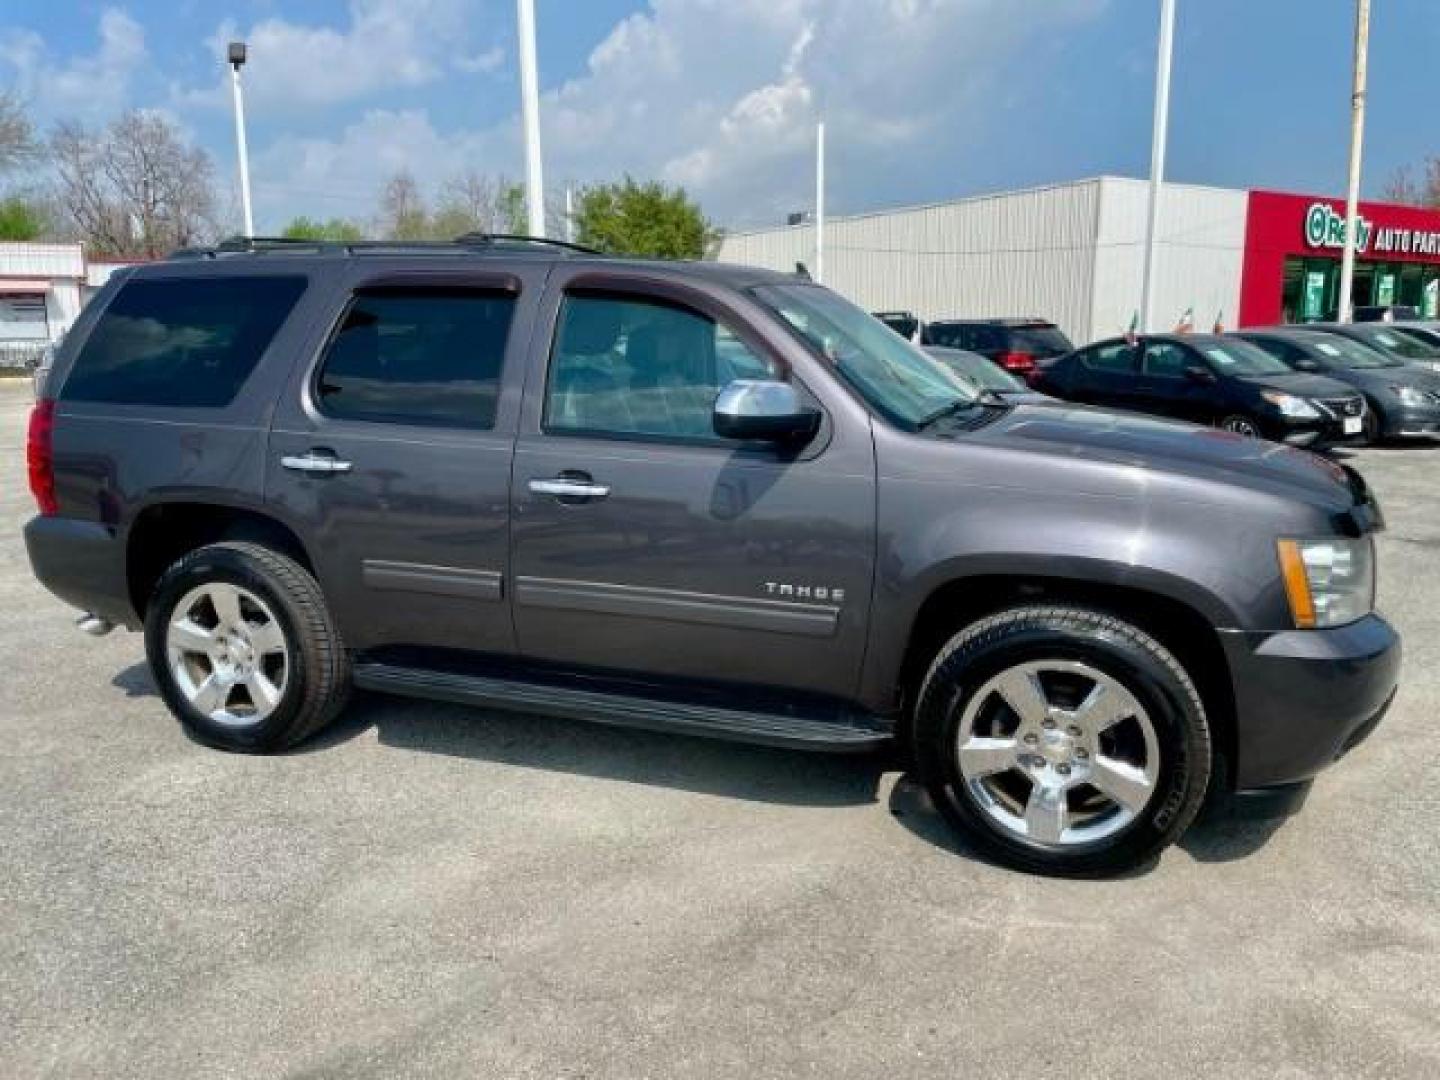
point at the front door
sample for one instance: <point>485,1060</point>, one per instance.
<point>642,541</point>
<point>390,454</point>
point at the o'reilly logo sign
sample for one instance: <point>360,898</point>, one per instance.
<point>1324,228</point>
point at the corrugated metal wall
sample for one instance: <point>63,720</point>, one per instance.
<point>1073,253</point>
<point>1019,253</point>
<point>41,260</point>
<point>1198,257</point>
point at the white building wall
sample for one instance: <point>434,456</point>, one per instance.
<point>1014,254</point>
<point>28,260</point>
<point>1199,255</point>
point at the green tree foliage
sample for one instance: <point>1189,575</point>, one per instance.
<point>648,219</point>
<point>21,219</point>
<point>304,228</point>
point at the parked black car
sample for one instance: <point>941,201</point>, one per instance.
<point>1400,398</point>
<point>1383,337</point>
<point>1427,333</point>
<point>984,375</point>
<point>903,323</point>
<point>1210,379</point>
<point>1017,345</point>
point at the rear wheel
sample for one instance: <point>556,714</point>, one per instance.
<point>243,648</point>
<point>1062,740</point>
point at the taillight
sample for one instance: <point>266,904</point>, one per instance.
<point>1018,362</point>
<point>40,456</point>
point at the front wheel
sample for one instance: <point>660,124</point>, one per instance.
<point>1062,740</point>
<point>1240,425</point>
<point>243,648</point>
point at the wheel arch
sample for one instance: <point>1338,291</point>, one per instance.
<point>164,531</point>
<point>1179,624</point>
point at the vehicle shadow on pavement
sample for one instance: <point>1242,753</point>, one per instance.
<point>712,767</point>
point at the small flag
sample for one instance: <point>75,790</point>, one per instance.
<point>1187,322</point>
<point>1132,335</point>
<point>1219,327</point>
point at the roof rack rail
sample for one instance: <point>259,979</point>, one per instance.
<point>471,241</point>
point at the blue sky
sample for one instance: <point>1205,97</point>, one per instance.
<point>924,99</point>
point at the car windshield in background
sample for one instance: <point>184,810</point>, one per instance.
<point>1044,341</point>
<point>1422,334</point>
<point>902,383</point>
<point>1395,343</point>
<point>1351,354</point>
<point>1235,357</point>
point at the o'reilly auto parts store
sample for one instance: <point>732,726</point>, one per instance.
<point>1074,253</point>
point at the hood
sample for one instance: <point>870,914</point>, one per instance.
<point>1299,383</point>
<point>1171,447</point>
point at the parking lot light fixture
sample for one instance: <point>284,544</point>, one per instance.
<point>236,56</point>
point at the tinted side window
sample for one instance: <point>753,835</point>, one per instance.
<point>637,367</point>
<point>949,337</point>
<point>181,342</point>
<point>1116,357</point>
<point>1166,360</point>
<point>418,356</point>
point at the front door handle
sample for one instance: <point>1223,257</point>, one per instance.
<point>316,464</point>
<point>565,487</point>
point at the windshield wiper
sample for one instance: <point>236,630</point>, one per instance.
<point>957,406</point>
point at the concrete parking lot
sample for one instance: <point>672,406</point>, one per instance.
<point>435,891</point>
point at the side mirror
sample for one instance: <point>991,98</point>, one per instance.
<point>1197,373</point>
<point>764,409</point>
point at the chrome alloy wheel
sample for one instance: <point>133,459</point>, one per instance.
<point>227,654</point>
<point>1058,753</point>
<point>1241,426</point>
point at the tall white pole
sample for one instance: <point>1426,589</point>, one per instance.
<point>1157,159</point>
<point>242,153</point>
<point>530,115</point>
<point>820,201</point>
<point>569,214</point>
<point>1357,139</point>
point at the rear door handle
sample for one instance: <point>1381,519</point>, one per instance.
<point>315,464</point>
<point>565,487</point>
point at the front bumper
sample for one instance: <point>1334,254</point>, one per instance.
<point>83,563</point>
<point>1312,434</point>
<point>1305,697</point>
<point>1413,420</point>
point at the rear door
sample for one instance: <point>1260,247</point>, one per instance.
<point>645,543</point>
<point>1105,374</point>
<point>391,451</point>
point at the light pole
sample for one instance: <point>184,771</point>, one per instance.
<point>1357,139</point>
<point>820,201</point>
<point>236,56</point>
<point>530,117</point>
<point>1157,160</point>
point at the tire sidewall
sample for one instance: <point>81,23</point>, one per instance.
<point>227,565</point>
<point>1179,725</point>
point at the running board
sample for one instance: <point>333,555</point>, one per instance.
<point>847,733</point>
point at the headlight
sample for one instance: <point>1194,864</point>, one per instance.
<point>1410,396</point>
<point>1290,405</point>
<point>1329,582</point>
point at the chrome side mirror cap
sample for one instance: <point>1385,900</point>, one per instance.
<point>763,409</point>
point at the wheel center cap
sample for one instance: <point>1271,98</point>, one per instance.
<point>1057,746</point>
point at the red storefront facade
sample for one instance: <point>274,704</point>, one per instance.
<point>1293,244</point>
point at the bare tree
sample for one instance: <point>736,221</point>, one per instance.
<point>1404,188</point>
<point>17,138</point>
<point>402,209</point>
<point>137,188</point>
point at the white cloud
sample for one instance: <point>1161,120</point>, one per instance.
<point>723,96</point>
<point>91,86</point>
<point>385,45</point>
<point>485,62</point>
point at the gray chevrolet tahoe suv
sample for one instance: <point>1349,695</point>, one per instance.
<point>699,498</point>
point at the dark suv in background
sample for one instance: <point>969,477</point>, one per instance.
<point>1020,346</point>
<point>1225,382</point>
<point>699,498</point>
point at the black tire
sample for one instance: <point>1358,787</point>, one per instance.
<point>1372,433</point>
<point>318,682</point>
<point>1240,424</point>
<point>1118,650</point>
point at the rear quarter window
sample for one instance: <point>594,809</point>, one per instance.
<point>181,342</point>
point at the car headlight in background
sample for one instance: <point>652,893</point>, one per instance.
<point>1328,582</point>
<point>1290,405</point>
<point>1410,396</point>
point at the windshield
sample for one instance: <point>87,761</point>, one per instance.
<point>1351,354</point>
<point>1395,343</point>
<point>976,369</point>
<point>1236,357</point>
<point>1422,334</point>
<point>897,379</point>
<point>1042,341</point>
